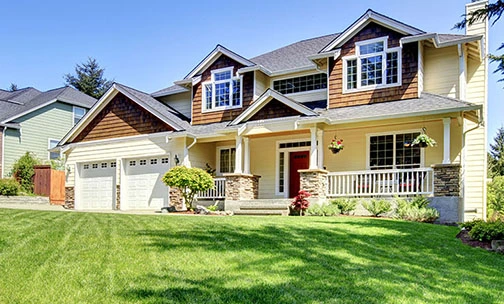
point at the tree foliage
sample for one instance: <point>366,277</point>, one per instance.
<point>495,198</point>
<point>89,79</point>
<point>496,155</point>
<point>189,180</point>
<point>493,11</point>
<point>23,171</point>
<point>13,87</point>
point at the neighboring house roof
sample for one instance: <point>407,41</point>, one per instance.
<point>21,102</point>
<point>174,89</point>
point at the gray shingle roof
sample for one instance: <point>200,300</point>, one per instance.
<point>427,103</point>
<point>450,37</point>
<point>175,118</point>
<point>20,101</point>
<point>169,90</point>
<point>294,55</point>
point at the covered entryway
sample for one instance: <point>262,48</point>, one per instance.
<point>297,161</point>
<point>96,188</point>
<point>143,187</point>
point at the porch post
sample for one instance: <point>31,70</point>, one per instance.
<point>313,148</point>
<point>246,169</point>
<point>320,156</point>
<point>446,140</point>
<point>238,156</point>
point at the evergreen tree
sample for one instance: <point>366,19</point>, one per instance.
<point>89,79</point>
<point>13,87</point>
<point>496,161</point>
<point>492,11</point>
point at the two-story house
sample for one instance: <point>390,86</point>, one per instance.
<point>265,123</point>
<point>35,121</point>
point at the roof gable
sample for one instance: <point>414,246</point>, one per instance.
<point>368,17</point>
<point>281,106</point>
<point>210,59</point>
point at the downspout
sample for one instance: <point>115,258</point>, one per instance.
<point>481,122</point>
<point>186,152</point>
<point>3,151</point>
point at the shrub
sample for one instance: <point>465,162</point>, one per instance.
<point>9,187</point>
<point>416,210</point>
<point>469,225</point>
<point>300,203</point>
<point>213,207</point>
<point>345,205</point>
<point>377,207</point>
<point>189,180</point>
<point>23,171</point>
<point>487,231</point>
<point>495,198</point>
<point>323,210</point>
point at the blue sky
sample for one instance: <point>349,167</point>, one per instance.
<point>150,44</point>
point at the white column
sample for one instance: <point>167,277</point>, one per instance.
<point>446,140</point>
<point>320,156</point>
<point>246,165</point>
<point>238,158</point>
<point>313,148</point>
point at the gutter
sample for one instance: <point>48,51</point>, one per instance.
<point>435,40</point>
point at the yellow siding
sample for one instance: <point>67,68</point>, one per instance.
<point>123,149</point>
<point>441,71</point>
<point>180,102</point>
<point>201,154</point>
<point>261,83</point>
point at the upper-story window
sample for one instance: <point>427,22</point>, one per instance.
<point>223,91</point>
<point>301,84</point>
<point>78,113</point>
<point>374,65</point>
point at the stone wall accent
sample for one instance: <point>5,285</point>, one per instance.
<point>118,197</point>
<point>446,179</point>
<point>314,181</point>
<point>242,186</point>
<point>176,198</point>
<point>69,198</point>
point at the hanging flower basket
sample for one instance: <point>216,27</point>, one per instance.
<point>423,141</point>
<point>336,145</point>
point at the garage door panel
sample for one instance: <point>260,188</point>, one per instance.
<point>97,186</point>
<point>144,188</point>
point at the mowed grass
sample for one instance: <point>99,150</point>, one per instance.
<point>67,257</point>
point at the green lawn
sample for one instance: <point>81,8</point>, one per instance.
<point>67,257</point>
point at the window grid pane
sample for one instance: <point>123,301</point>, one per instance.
<point>208,95</point>
<point>222,94</point>
<point>371,70</point>
<point>236,92</point>
<point>352,74</point>
<point>281,168</point>
<point>301,84</point>
<point>370,48</point>
<point>224,161</point>
<point>392,68</point>
<point>381,152</point>
<point>222,76</point>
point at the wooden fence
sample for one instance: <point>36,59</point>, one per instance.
<point>51,183</point>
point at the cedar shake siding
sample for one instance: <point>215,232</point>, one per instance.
<point>225,115</point>
<point>121,118</point>
<point>408,89</point>
<point>274,109</point>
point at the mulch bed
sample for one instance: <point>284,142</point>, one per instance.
<point>463,235</point>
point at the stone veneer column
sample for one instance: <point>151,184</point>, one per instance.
<point>446,179</point>
<point>176,198</point>
<point>314,181</point>
<point>69,198</point>
<point>242,186</point>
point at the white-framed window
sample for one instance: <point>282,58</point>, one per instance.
<point>51,143</point>
<point>300,84</point>
<point>373,66</point>
<point>226,157</point>
<point>78,113</point>
<point>223,91</point>
<point>393,151</point>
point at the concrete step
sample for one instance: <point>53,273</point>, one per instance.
<point>261,212</point>
<point>32,200</point>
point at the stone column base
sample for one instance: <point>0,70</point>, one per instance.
<point>314,181</point>
<point>69,198</point>
<point>176,198</point>
<point>242,186</point>
<point>446,179</point>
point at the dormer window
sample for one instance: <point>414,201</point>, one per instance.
<point>223,91</point>
<point>373,66</point>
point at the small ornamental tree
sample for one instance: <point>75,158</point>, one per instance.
<point>23,171</point>
<point>189,180</point>
<point>300,202</point>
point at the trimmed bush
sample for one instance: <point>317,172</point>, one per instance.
<point>487,231</point>
<point>324,210</point>
<point>377,207</point>
<point>416,210</point>
<point>189,180</point>
<point>345,205</point>
<point>9,187</point>
<point>469,225</point>
<point>23,171</point>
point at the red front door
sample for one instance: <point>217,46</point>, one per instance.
<point>297,161</point>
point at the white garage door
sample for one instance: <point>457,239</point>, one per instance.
<point>144,188</point>
<point>97,186</point>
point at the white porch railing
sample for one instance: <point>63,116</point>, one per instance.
<point>418,181</point>
<point>219,190</point>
